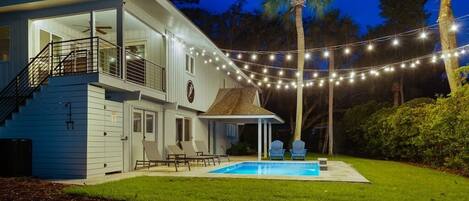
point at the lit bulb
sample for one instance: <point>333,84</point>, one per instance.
<point>315,75</point>
<point>214,53</point>
<point>218,68</point>
<point>264,70</point>
<point>239,77</point>
<point>454,27</point>
<point>403,65</point>
<point>370,47</point>
<point>334,75</point>
<point>463,51</point>
<point>287,87</point>
<point>266,79</point>
<point>205,62</point>
<point>351,80</point>
<point>308,55</point>
<point>278,86</point>
<point>297,74</point>
<point>341,78</point>
<point>237,71</point>
<point>231,63</point>
<point>228,54</point>
<point>259,83</point>
<point>272,57</point>
<point>228,73</point>
<point>395,42</point>
<point>246,66</point>
<point>280,73</point>
<point>417,62</point>
<point>326,53</point>
<point>252,75</point>
<point>210,61</point>
<point>337,83</point>
<point>423,35</point>
<point>279,81</point>
<point>240,56</point>
<point>289,56</point>
<point>347,51</point>
<point>254,57</point>
<point>216,59</point>
<point>352,74</point>
<point>223,66</point>
<point>268,85</point>
<point>249,81</point>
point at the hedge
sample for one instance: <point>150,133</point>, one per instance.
<point>423,130</point>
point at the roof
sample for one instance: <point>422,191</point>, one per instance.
<point>239,105</point>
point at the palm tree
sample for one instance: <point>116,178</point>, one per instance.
<point>448,42</point>
<point>274,8</point>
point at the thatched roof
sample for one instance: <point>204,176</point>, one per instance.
<point>237,101</point>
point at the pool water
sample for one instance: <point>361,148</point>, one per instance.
<point>271,168</point>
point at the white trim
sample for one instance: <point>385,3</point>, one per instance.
<point>267,117</point>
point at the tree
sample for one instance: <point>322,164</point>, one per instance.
<point>274,8</point>
<point>448,43</point>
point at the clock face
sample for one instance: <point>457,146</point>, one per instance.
<point>190,91</point>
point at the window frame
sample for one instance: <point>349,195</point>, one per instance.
<point>9,43</point>
<point>189,60</point>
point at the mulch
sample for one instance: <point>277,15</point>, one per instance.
<point>27,189</point>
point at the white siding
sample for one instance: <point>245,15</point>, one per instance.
<point>105,128</point>
<point>58,152</point>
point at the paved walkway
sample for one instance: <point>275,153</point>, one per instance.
<point>338,171</point>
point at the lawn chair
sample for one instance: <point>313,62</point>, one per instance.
<point>202,150</point>
<point>190,152</point>
<point>298,150</point>
<point>154,157</point>
<point>178,153</point>
<point>276,150</point>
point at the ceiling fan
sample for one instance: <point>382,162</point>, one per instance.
<point>99,29</point>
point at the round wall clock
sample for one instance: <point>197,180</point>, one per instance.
<point>190,91</point>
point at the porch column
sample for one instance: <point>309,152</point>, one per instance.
<point>120,39</point>
<point>265,138</point>
<point>259,139</point>
<point>270,134</point>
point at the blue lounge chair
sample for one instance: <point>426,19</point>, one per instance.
<point>298,150</point>
<point>276,150</point>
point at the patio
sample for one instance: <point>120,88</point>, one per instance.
<point>338,172</point>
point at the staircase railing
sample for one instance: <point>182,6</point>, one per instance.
<point>80,56</point>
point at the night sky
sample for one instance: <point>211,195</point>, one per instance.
<point>348,7</point>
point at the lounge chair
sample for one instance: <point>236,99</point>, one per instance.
<point>276,150</point>
<point>298,150</point>
<point>190,152</point>
<point>178,153</point>
<point>154,157</point>
<point>203,151</point>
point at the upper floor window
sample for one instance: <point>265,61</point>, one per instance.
<point>4,43</point>
<point>190,64</point>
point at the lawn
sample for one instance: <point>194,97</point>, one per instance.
<point>390,181</point>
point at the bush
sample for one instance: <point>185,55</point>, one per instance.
<point>422,130</point>
<point>239,149</point>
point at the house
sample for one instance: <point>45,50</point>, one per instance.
<point>88,80</point>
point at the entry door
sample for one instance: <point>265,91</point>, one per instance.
<point>183,130</point>
<point>137,137</point>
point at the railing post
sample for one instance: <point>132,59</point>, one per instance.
<point>97,55</point>
<point>163,85</point>
<point>51,53</point>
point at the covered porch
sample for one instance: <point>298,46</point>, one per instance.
<point>241,106</point>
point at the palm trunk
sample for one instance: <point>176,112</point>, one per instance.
<point>330,128</point>
<point>301,62</point>
<point>448,42</point>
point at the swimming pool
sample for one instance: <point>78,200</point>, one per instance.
<point>271,168</point>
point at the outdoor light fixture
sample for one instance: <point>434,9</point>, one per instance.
<point>228,54</point>
<point>223,66</point>
<point>264,70</point>
<point>423,35</point>
<point>347,51</point>
<point>252,76</point>
<point>266,79</point>
<point>395,42</point>
<point>326,53</point>
<point>297,74</point>
<point>280,72</point>
<point>334,75</point>
<point>240,56</point>
<point>254,57</point>
<point>289,56</point>
<point>218,68</point>
<point>454,27</point>
<point>246,66</point>
<point>239,77</point>
<point>370,47</point>
<point>272,57</point>
<point>315,75</point>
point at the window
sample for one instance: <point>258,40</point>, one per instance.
<point>183,130</point>
<point>149,123</point>
<point>137,122</point>
<point>189,64</point>
<point>4,43</point>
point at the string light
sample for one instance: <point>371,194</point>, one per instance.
<point>326,54</point>
<point>423,35</point>
<point>252,75</point>
<point>228,73</point>
<point>239,77</point>
<point>370,47</point>
<point>454,27</point>
<point>395,42</point>
<point>315,75</point>
<point>240,56</point>
<point>223,66</point>
<point>265,70</point>
<point>218,68</point>
<point>307,56</point>
<point>280,72</point>
<point>254,57</point>
<point>289,57</point>
<point>246,66</point>
<point>272,57</point>
<point>347,51</point>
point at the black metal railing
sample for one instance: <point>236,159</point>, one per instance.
<point>80,56</point>
<point>144,72</point>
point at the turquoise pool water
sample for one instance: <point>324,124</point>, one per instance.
<point>271,168</point>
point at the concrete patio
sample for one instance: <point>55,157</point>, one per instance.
<point>338,171</point>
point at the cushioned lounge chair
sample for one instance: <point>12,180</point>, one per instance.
<point>154,157</point>
<point>203,151</point>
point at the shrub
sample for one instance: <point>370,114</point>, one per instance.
<point>422,130</point>
<point>239,149</point>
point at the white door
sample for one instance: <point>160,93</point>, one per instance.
<point>137,137</point>
<point>183,130</point>
<point>150,126</point>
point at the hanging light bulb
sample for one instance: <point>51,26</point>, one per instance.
<point>223,66</point>
<point>287,87</point>
<point>370,47</point>
<point>216,58</point>
<point>326,54</point>
<point>214,53</point>
<point>403,65</point>
<point>434,58</point>
<point>254,57</point>
<point>239,77</point>
<point>347,51</point>
<point>297,74</point>
<point>268,85</point>
<point>308,56</point>
<point>218,68</point>
<point>266,79</point>
<point>252,76</point>
<point>228,73</point>
<point>352,74</point>
<point>278,86</point>
<point>334,75</point>
<point>351,80</point>
<point>259,83</point>
<point>463,51</point>
<point>417,62</point>
<point>272,57</point>
<point>228,54</point>
<point>264,70</point>
<point>280,72</point>
<point>209,60</point>
<point>240,56</point>
<point>237,71</point>
<point>454,27</point>
<point>279,81</point>
<point>205,61</point>
<point>395,42</point>
<point>337,83</point>
<point>363,76</point>
<point>412,65</point>
<point>423,35</point>
<point>246,66</point>
<point>315,75</point>
<point>321,84</point>
<point>289,57</point>
<point>249,80</point>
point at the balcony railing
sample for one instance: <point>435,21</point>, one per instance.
<point>99,55</point>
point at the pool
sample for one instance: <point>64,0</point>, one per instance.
<point>271,168</point>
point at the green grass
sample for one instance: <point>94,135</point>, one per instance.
<point>390,181</point>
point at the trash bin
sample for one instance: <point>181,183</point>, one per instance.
<point>15,157</point>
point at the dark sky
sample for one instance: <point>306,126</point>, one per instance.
<point>365,12</point>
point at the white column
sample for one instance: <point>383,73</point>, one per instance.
<point>270,134</point>
<point>259,139</point>
<point>265,138</point>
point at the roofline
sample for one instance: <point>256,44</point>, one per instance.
<point>272,116</point>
